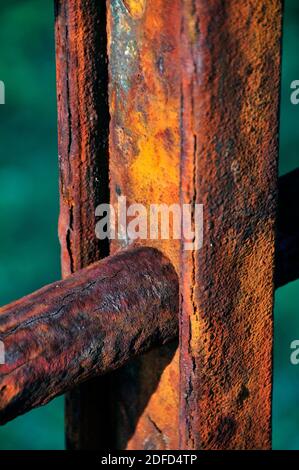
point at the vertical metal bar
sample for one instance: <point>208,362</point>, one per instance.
<point>230,96</point>
<point>144,81</point>
<point>83,122</point>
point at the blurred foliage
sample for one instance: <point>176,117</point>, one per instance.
<point>29,250</point>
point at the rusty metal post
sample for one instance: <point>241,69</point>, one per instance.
<point>83,122</point>
<point>144,89</point>
<point>230,96</point>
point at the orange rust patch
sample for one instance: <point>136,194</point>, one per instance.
<point>231,63</point>
<point>144,167</point>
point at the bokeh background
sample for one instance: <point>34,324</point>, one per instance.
<point>29,249</point>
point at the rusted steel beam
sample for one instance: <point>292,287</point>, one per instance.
<point>144,82</point>
<point>88,324</point>
<point>287,244</point>
<point>83,122</point>
<point>230,94</point>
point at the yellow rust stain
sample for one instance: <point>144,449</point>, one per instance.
<point>225,306</point>
<point>145,166</point>
<point>135,7</point>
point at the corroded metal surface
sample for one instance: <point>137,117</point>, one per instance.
<point>144,167</point>
<point>89,324</point>
<point>83,121</point>
<point>230,93</point>
<point>202,76</point>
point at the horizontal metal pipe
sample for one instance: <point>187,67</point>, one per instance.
<point>87,325</point>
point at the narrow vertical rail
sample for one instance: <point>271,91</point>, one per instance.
<point>83,122</point>
<point>230,95</point>
<point>144,83</point>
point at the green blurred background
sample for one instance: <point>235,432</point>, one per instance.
<point>29,249</point>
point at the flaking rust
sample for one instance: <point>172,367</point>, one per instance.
<point>83,121</point>
<point>144,167</point>
<point>230,83</point>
